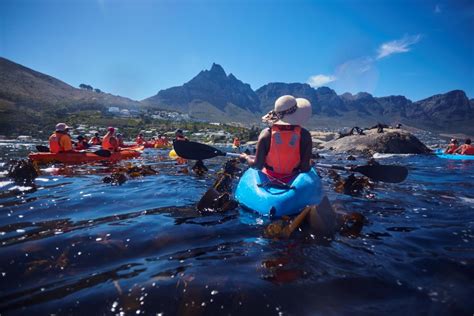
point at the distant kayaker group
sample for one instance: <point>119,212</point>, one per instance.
<point>60,140</point>
<point>455,148</point>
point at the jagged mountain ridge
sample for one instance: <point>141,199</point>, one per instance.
<point>213,95</point>
<point>452,110</point>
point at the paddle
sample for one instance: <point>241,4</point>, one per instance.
<point>384,173</point>
<point>101,152</point>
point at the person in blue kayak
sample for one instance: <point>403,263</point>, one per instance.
<point>284,149</point>
<point>452,146</point>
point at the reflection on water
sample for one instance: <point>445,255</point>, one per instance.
<point>72,244</point>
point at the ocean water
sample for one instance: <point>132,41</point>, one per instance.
<point>75,245</point>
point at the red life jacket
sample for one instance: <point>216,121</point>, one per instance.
<point>467,149</point>
<point>283,157</point>
<point>451,148</point>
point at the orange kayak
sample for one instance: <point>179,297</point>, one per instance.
<point>84,157</point>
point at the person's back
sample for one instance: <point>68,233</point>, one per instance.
<point>466,148</point>
<point>452,147</point>
<point>95,140</point>
<point>109,141</point>
<point>284,149</point>
<point>60,141</point>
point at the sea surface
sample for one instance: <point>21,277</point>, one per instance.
<point>73,245</point>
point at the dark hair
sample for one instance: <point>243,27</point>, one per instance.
<point>96,134</point>
<point>468,141</point>
<point>80,137</point>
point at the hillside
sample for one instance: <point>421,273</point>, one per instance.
<point>29,98</point>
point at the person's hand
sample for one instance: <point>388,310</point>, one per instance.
<point>243,157</point>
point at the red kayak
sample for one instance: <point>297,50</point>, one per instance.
<point>78,157</point>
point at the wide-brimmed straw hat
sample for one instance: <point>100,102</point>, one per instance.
<point>289,110</point>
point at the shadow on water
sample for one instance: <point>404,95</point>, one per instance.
<point>75,245</point>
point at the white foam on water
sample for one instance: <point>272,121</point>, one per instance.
<point>5,183</point>
<point>381,156</point>
<point>467,200</point>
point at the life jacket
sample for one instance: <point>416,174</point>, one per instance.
<point>106,144</point>
<point>55,142</point>
<point>81,146</point>
<point>451,148</point>
<point>95,141</point>
<point>139,141</point>
<point>283,157</point>
<point>467,149</point>
<point>236,142</point>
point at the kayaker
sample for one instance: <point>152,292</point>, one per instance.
<point>236,144</point>
<point>95,140</point>
<point>110,141</point>
<point>121,144</point>
<point>140,140</point>
<point>466,148</point>
<point>179,135</point>
<point>284,149</point>
<point>452,146</point>
<point>60,141</point>
<point>81,143</point>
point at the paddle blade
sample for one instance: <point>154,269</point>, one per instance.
<point>195,151</point>
<point>42,148</point>
<point>392,174</point>
<point>103,153</point>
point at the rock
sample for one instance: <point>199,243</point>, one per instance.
<point>392,141</point>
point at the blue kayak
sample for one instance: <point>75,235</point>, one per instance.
<point>440,153</point>
<point>256,193</point>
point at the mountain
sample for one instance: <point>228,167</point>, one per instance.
<point>212,94</point>
<point>29,98</point>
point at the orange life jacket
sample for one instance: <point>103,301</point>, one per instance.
<point>55,144</point>
<point>236,142</point>
<point>106,144</point>
<point>283,158</point>
<point>467,149</point>
<point>451,148</point>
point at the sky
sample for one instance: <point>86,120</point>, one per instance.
<point>135,48</point>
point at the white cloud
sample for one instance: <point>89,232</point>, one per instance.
<point>397,46</point>
<point>320,80</point>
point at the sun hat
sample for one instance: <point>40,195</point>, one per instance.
<point>289,110</point>
<point>61,127</point>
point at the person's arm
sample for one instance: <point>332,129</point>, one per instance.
<point>458,150</point>
<point>263,146</point>
<point>306,147</point>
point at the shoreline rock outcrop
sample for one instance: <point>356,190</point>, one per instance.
<point>391,141</point>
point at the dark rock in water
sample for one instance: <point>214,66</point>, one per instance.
<point>115,179</point>
<point>392,141</point>
<point>351,158</point>
<point>23,172</point>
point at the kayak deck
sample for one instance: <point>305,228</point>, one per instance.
<point>440,153</point>
<point>83,157</point>
<point>254,193</point>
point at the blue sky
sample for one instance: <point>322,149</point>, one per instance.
<point>135,48</point>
